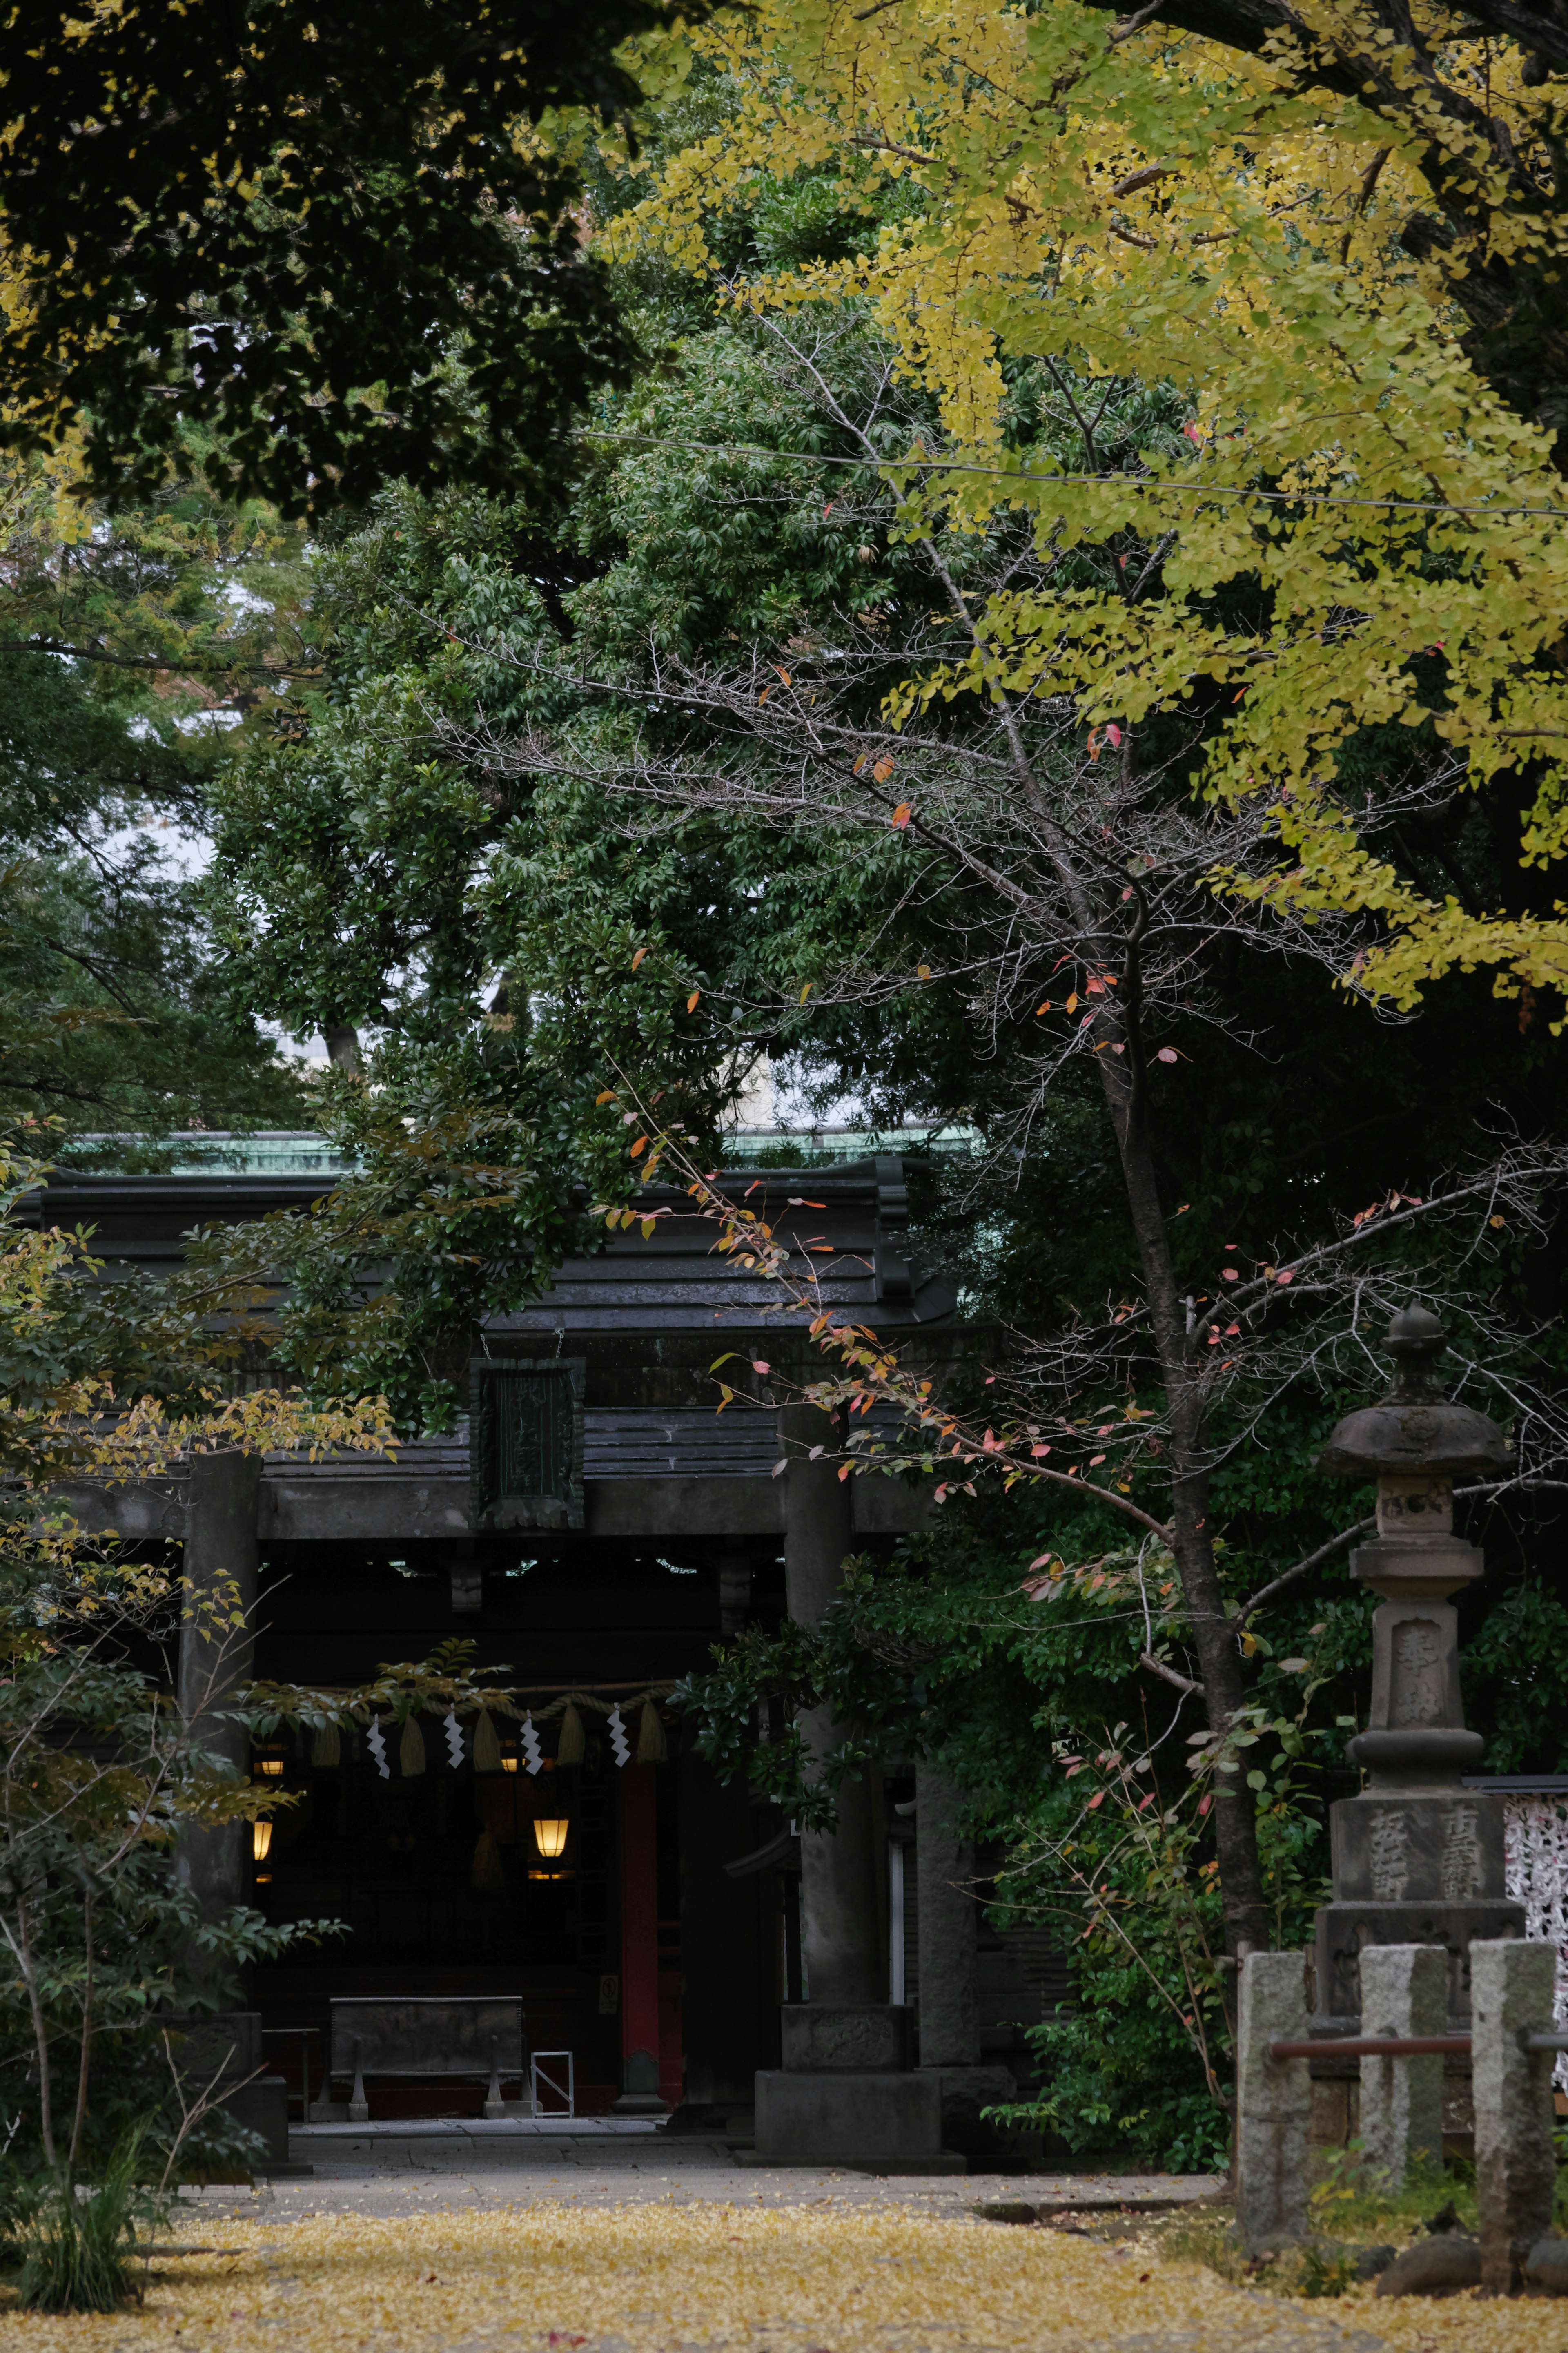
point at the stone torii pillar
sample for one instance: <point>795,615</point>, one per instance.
<point>221,1571</point>
<point>845,2091</point>
<point>840,1927</point>
<point>221,1557</point>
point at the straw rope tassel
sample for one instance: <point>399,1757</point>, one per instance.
<point>487,1747</point>
<point>327,1749</point>
<point>411,1748</point>
<point>651,1748</point>
<point>569,1747</point>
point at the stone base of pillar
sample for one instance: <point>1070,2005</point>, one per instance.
<point>1343,1928</point>
<point>965,2094</point>
<point>640,2096</point>
<point>817,2037</point>
<point>844,2117</point>
<point>262,2106</point>
<point>225,2044</point>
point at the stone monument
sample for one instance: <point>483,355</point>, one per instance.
<point>1418,1858</point>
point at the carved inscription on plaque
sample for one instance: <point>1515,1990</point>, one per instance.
<point>1461,1856</point>
<point>1418,1679</point>
<point>1389,1854</point>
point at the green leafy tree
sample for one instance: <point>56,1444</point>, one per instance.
<point>289,225</point>
<point>128,645</point>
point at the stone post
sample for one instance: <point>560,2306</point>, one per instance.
<point>949,1973</point>
<point>841,1935</point>
<point>1511,1988</point>
<point>221,1563</point>
<point>1273,2103</point>
<point>946,1923</point>
<point>1403,1992</point>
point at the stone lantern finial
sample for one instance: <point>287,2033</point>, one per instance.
<point>1418,1858</point>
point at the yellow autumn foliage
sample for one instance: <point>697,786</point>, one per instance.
<point>1136,204</point>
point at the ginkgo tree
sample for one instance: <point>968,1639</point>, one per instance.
<point>1238,221</point>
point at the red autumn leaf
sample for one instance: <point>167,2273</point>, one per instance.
<point>1228,1274</point>
<point>691,1000</point>
<point>638,957</point>
<point>638,1146</point>
<point>758,1366</point>
<point>1168,1054</point>
<point>902,816</point>
<point>1114,732</point>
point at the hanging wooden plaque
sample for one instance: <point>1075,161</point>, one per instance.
<point>525,1441</point>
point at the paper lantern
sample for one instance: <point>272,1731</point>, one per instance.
<point>260,1841</point>
<point>268,1768</point>
<point>550,1837</point>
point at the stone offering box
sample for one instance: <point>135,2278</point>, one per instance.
<point>428,2040</point>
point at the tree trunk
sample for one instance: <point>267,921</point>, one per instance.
<point>1235,1830</point>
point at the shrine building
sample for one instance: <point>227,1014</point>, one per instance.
<point>592,1529</point>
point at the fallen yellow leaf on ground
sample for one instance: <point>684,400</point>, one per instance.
<point>652,2278</point>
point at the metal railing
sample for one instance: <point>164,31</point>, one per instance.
<point>538,2074</point>
<point>1406,2046</point>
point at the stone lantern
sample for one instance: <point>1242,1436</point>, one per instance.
<point>1418,1858</point>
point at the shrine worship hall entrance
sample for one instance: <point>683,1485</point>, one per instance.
<point>559,1882</point>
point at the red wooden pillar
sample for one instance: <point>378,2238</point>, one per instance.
<point>639,1942</point>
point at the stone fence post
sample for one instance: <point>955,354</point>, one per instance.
<point>1512,1988</point>
<point>1403,1992</point>
<point>1273,2103</point>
